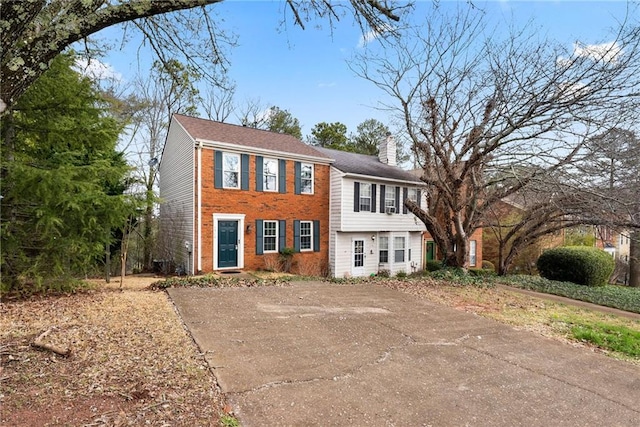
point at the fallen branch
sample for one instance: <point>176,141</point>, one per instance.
<point>38,343</point>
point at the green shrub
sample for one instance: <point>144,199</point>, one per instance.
<point>481,272</point>
<point>401,274</point>
<point>488,265</point>
<point>578,264</point>
<point>434,265</point>
<point>384,273</point>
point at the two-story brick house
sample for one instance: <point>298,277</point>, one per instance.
<point>232,196</point>
<point>370,228</point>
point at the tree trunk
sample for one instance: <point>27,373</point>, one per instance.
<point>634,259</point>
<point>107,263</point>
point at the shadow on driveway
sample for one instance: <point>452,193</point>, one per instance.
<point>317,354</point>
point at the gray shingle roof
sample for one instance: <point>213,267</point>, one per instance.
<point>209,130</point>
<point>363,164</point>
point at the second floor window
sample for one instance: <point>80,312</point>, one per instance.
<point>231,170</point>
<point>270,236</point>
<point>306,178</point>
<point>270,175</point>
<point>365,197</point>
<point>389,198</point>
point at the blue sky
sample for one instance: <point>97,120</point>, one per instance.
<point>306,72</point>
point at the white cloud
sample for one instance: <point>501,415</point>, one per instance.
<point>97,70</point>
<point>372,35</point>
<point>608,52</point>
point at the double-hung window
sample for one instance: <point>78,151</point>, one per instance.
<point>270,175</point>
<point>389,198</point>
<point>306,236</point>
<point>231,170</point>
<point>472,253</point>
<point>398,247</point>
<point>383,243</point>
<point>306,178</point>
<point>365,197</point>
<point>270,236</point>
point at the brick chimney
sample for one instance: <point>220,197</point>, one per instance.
<point>387,150</point>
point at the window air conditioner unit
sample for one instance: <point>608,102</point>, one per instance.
<point>390,210</point>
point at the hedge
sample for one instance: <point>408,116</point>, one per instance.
<point>583,265</point>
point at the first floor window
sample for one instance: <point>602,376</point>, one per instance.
<point>270,236</point>
<point>398,247</point>
<point>231,170</point>
<point>306,178</point>
<point>383,243</point>
<point>472,253</point>
<point>306,235</point>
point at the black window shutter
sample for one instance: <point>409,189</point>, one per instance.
<point>296,235</point>
<point>397,199</point>
<point>356,196</point>
<point>218,170</point>
<point>259,231</point>
<point>418,197</point>
<point>383,193</point>
<point>373,198</point>
<point>282,234</point>
<point>316,236</point>
<point>259,172</point>
<point>244,171</point>
<point>298,182</point>
<point>282,178</point>
<point>405,195</point>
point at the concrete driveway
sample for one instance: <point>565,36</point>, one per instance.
<point>319,354</point>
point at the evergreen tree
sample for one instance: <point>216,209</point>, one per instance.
<point>63,181</point>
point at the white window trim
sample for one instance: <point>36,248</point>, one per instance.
<point>404,249</point>
<point>264,174</point>
<point>302,165</point>
<point>473,256</point>
<point>390,202</point>
<point>310,249</point>
<point>224,170</point>
<point>362,185</point>
<point>275,236</point>
<point>380,249</point>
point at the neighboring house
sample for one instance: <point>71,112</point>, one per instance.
<point>615,242</point>
<point>370,229</point>
<point>233,197</point>
<point>508,212</point>
<point>430,249</point>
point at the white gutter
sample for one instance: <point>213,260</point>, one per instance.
<point>235,148</point>
<point>199,151</point>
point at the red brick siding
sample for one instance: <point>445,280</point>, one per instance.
<point>267,206</point>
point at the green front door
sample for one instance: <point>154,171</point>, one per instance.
<point>227,244</point>
<point>431,251</point>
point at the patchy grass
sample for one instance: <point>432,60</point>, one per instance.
<point>621,297</point>
<point>547,318</point>
<point>620,339</point>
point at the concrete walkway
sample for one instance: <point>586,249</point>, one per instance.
<point>319,354</point>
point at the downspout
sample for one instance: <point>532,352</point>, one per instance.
<point>199,205</point>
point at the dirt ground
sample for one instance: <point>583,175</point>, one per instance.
<point>131,361</point>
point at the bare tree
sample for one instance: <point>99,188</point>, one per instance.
<point>217,101</point>
<point>36,31</point>
<point>168,89</point>
<point>491,117</point>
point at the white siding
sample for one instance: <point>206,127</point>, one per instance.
<point>347,226</point>
<point>176,177</point>
<point>366,221</point>
<point>344,253</point>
